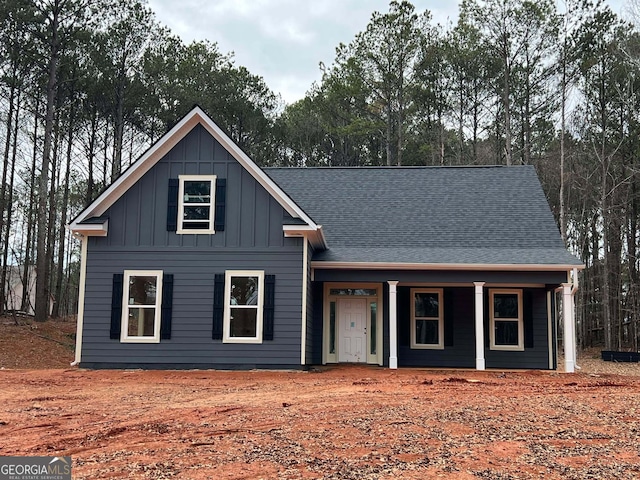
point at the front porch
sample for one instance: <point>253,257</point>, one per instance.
<point>494,324</point>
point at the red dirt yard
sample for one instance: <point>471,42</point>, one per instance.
<point>336,423</point>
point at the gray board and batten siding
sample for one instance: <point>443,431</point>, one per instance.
<point>138,240</point>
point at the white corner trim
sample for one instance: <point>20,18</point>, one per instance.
<point>81,296</point>
<point>303,337</point>
<point>162,147</point>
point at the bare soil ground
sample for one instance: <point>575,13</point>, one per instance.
<point>348,422</point>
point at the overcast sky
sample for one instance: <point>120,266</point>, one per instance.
<point>284,41</point>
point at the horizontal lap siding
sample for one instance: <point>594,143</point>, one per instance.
<point>310,347</point>
<point>192,317</point>
<point>461,354</point>
<point>531,358</point>
<point>317,289</point>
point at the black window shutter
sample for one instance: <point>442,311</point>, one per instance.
<point>221,195</point>
<point>269,307</point>
<point>167,307</point>
<point>527,313</point>
<point>487,319</point>
<point>116,306</point>
<point>403,303</point>
<point>448,317</point>
<point>218,305</point>
<point>172,205</point>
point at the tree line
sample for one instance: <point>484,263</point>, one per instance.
<point>87,85</point>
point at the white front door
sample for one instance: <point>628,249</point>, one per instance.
<point>352,336</point>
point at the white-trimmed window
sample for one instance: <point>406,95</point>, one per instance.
<point>506,327</point>
<point>141,301</point>
<point>243,306</point>
<point>196,203</point>
<point>427,324</point>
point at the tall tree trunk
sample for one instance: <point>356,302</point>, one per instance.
<point>506,102</point>
<point>31,224</point>
<point>53,207</point>
<point>118,131</point>
<point>632,258</point>
<point>9,203</point>
<point>63,218</point>
<point>388,134</point>
<point>42,298</point>
<point>460,160</point>
<point>91,154</point>
<point>3,194</point>
<point>563,113</point>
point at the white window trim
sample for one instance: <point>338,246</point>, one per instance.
<point>440,318</point>
<point>520,320</point>
<point>226,328</point>
<point>124,336</point>
<point>188,178</point>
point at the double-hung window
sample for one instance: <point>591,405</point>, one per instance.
<point>141,301</point>
<point>196,203</point>
<point>427,324</point>
<point>243,306</point>
<point>506,319</point>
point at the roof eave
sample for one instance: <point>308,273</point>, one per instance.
<point>314,235</point>
<point>445,266</point>
<point>89,229</point>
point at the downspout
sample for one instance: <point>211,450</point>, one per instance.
<point>81,292</point>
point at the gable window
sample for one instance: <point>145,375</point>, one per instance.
<point>243,306</point>
<point>196,203</point>
<point>506,328</point>
<point>427,325</point>
<point>141,301</point>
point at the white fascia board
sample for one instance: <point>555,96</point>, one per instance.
<point>315,235</point>
<point>443,266</point>
<point>162,147</point>
<point>90,229</point>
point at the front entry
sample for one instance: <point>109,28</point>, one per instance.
<point>352,329</point>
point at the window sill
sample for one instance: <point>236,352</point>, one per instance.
<point>248,340</point>
<point>140,340</point>
<point>427,347</point>
<point>195,232</point>
<point>514,348</point>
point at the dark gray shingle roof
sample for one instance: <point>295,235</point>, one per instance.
<point>490,215</point>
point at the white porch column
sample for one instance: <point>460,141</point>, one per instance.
<point>568,328</point>
<point>480,363</point>
<point>393,324</point>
